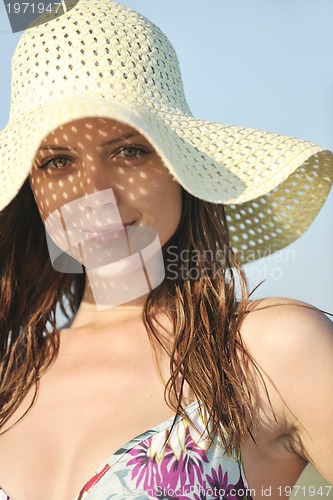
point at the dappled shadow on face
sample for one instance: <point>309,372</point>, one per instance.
<point>107,202</point>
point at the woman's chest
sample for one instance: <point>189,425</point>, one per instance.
<point>88,447</point>
<point>92,410</point>
<point>159,462</point>
<point>79,419</point>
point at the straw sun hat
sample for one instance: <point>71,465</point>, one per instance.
<point>103,59</point>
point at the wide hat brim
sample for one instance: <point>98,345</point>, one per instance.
<point>272,186</point>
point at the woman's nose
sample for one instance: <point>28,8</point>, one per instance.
<point>98,200</point>
<point>98,184</point>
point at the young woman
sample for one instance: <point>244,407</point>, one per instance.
<point>108,159</point>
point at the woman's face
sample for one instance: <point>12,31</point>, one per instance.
<point>93,155</point>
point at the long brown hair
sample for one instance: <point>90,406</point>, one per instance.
<point>198,294</point>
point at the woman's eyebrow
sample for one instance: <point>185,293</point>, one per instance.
<point>107,143</point>
<point>118,139</point>
<point>55,148</point>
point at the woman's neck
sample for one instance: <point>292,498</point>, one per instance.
<point>89,313</point>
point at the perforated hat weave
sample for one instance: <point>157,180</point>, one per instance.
<point>103,59</point>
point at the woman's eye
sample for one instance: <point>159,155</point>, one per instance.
<point>132,152</point>
<point>57,163</point>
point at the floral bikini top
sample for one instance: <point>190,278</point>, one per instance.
<point>184,469</point>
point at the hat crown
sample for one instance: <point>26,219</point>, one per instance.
<point>98,47</point>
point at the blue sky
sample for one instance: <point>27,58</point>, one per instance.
<point>258,64</point>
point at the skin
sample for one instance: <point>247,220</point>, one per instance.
<point>91,155</point>
<point>293,346</point>
<point>106,365</point>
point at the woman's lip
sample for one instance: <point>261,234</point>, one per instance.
<point>107,234</point>
<point>98,230</point>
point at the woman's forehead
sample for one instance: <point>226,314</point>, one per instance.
<point>92,128</point>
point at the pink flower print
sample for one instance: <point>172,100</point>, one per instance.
<point>146,468</point>
<point>184,468</point>
<point>219,483</point>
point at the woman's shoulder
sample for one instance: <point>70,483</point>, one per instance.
<point>282,321</point>
<point>292,345</point>
<point>288,337</point>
